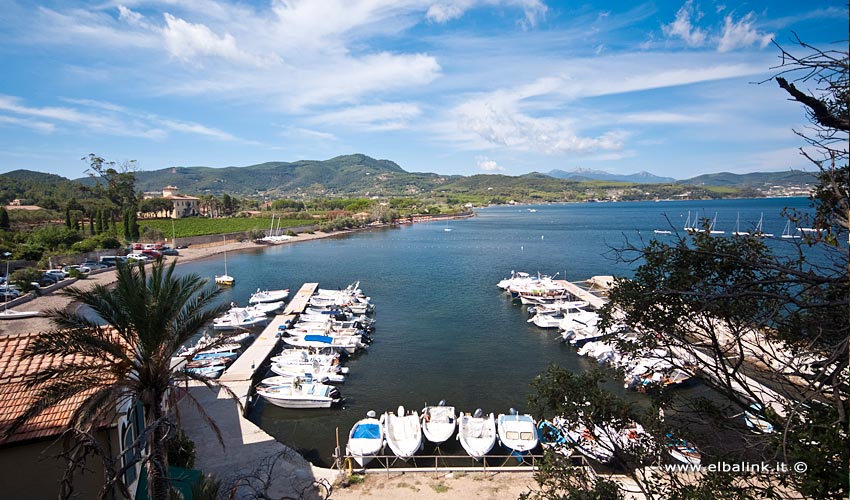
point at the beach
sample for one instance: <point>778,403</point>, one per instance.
<point>436,486</point>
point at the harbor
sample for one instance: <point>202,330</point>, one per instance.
<point>441,319</point>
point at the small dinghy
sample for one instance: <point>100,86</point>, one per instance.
<point>518,433</point>
<point>438,422</point>
<point>683,451</point>
<point>403,433</point>
<point>554,438</point>
<point>366,439</point>
<point>301,395</point>
<point>476,433</point>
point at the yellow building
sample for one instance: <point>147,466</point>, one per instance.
<point>182,205</point>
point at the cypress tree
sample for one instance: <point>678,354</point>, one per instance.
<point>68,218</point>
<point>127,232</point>
<point>91,224</point>
<point>99,225</point>
<point>134,227</point>
<point>4,219</point>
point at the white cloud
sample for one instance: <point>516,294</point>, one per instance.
<point>387,116</point>
<point>741,33</point>
<point>666,117</point>
<point>106,118</point>
<point>37,125</point>
<point>446,10</point>
<point>186,41</point>
<point>682,27</point>
<point>499,120</point>
<point>488,165</point>
<point>130,16</point>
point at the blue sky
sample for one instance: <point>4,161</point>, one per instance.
<point>445,86</point>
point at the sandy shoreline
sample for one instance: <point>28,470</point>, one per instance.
<point>437,486</point>
<point>55,300</point>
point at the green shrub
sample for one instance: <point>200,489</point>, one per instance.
<point>181,450</point>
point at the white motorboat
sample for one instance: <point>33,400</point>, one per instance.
<point>349,344</point>
<point>515,279</point>
<point>438,422</point>
<point>265,307</point>
<point>234,320</point>
<point>594,444</point>
<point>323,373</point>
<point>476,433</point>
<point>262,296</point>
<point>287,380</point>
<point>554,438</point>
<point>305,357</point>
<point>547,320</point>
<point>403,432</point>
<point>301,395</point>
<point>517,432</point>
<point>366,439</point>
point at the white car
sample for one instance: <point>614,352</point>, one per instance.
<point>136,257</point>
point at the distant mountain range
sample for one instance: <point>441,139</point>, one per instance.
<point>361,175</point>
<point>586,174</point>
<point>722,179</point>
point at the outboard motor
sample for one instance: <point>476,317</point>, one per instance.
<point>478,413</point>
<point>371,414</point>
<point>512,411</point>
<point>400,411</point>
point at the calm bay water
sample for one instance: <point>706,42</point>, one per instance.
<point>444,330</point>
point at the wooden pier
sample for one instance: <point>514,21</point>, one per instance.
<point>582,294</point>
<point>299,301</point>
<point>257,353</point>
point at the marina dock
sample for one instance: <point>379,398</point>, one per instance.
<point>582,294</point>
<point>257,353</point>
<point>239,375</point>
<point>299,301</point>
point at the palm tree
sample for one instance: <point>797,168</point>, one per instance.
<point>124,357</point>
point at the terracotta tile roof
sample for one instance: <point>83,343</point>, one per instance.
<point>15,397</point>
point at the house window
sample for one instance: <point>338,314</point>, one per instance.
<point>131,429</point>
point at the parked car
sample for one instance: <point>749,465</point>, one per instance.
<point>93,265</point>
<point>111,260</point>
<point>153,254</point>
<point>48,279</point>
<point>79,268</point>
<point>60,274</point>
<point>136,257</point>
<point>170,251</point>
<point>9,293</point>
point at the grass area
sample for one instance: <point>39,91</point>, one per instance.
<point>199,226</point>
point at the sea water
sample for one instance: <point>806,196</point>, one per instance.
<point>444,330</point>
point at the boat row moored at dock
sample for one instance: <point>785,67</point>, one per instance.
<point>334,324</point>
<point>404,432</point>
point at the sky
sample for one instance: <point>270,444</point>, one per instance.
<point>446,86</point>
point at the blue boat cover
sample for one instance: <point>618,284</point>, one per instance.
<point>367,431</point>
<point>318,338</point>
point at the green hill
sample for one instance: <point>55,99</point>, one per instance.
<point>36,188</point>
<point>753,180</point>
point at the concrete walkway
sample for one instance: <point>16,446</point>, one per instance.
<point>251,459</point>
